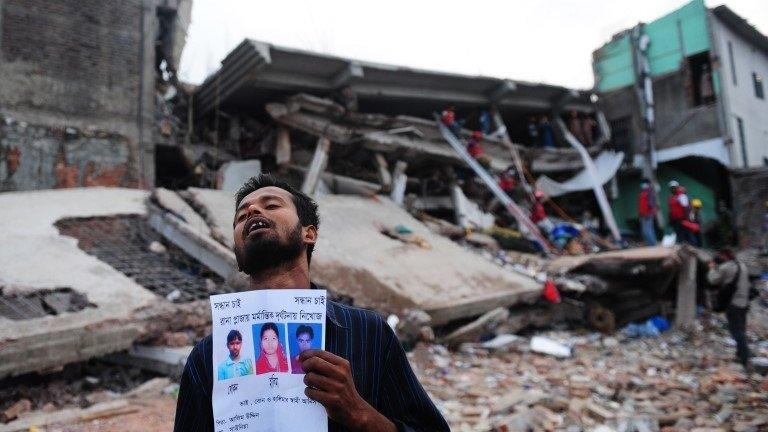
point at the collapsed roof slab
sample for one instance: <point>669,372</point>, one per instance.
<point>355,259</point>
<point>627,257</point>
<point>36,257</point>
<point>256,72</point>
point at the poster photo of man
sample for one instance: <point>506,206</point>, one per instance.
<point>236,363</point>
<point>302,337</point>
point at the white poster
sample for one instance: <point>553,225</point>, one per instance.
<point>258,380</point>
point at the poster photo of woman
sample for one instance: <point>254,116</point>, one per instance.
<point>269,348</point>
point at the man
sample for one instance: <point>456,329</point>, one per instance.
<point>234,366</point>
<point>546,134</point>
<point>575,127</point>
<point>732,279</point>
<point>448,117</point>
<point>695,217</point>
<point>474,146</point>
<point>646,209</point>
<point>765,230</point>
<point>304,336</point>
<point>363,380</point>
<point>679,209</point>
<point>533,132</point>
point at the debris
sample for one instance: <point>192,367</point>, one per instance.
<point>157,247</point>
<point>162,360</point>
<point>545,345</point>
<point>485,324</point>
<point>501,341</point>
<point>174,295</point>
<point>19,407</point>
<point>152,387</point>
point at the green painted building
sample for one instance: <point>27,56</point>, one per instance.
<point>695,131</point>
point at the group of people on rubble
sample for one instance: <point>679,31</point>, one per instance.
<point>684,214</point>
<point>726,273</point>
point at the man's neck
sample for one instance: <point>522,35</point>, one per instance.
<point>292,275</point>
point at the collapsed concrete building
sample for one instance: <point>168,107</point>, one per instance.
<point>394,192</point>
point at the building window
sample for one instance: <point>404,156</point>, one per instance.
<point>757,79</point>
<point>733,65</point>
<point>621,135</point>
<point>700,87</point>
<point>743,141</point>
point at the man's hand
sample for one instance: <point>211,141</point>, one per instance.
<point>329,381</point>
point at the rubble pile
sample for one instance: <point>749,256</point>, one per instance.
<point>678,382</point>
<point>76,385</point>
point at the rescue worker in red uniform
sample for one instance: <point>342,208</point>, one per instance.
<point>679,211</point>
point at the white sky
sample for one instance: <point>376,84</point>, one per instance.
<point>548,41</point>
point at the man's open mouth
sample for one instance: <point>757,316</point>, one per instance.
<point>256,224</point>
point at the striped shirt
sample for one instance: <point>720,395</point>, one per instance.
<point>380,369</point>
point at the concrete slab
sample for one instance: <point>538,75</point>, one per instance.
<point>234,174</point>
<point>565,264</point>
<point>172,202</point>
<point>379,272</point>
<point>35,255</point>
<point>218,209</point>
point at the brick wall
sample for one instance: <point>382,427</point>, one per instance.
<point>78,64</point>
<point>41,157</point>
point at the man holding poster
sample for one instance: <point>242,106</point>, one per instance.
<point>362,378</point>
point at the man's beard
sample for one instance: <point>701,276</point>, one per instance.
<point>268,252</point>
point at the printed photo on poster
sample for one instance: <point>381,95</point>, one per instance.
<point>301,337</point>
<point>238,362</point>
<point>269,348</point>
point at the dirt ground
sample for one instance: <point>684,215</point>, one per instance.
<point>151,415</point>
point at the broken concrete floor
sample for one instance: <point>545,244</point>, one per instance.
<point>36,259</point>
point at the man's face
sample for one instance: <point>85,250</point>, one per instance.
<point>304,341</point>
<point>267,231</point>
<point>234,347</point>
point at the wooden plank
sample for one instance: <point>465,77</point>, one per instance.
<point>316,168</point>
<point>685,308</point>
<point>283,148</point>
<point>385,178</point>
<point>400,181</point>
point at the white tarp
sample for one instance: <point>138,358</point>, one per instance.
<point>607,163</point>
<point>233,174</point>
<point>712,148</point>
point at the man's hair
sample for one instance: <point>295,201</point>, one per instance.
<point>269,326</point>
<point>305,329</point>
<point>727,253</point>
<point>306,207</point>
<point>234,334</point>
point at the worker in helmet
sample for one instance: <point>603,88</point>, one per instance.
<point>539,214</point>
<point>679,211</point>
<point>475,149</point>
<point>695,217</point>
